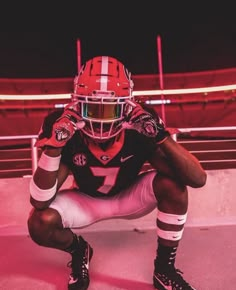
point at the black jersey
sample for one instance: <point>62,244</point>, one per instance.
<point>99,172</point>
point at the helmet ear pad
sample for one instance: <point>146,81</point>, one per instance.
<point>102,90</point>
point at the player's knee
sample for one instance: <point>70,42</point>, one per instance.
<point>41,222</point>
<point>169,189</point>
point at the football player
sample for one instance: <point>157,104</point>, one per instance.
<point>103,138</point>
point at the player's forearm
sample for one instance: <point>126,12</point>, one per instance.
<point>43,185</point>
<point>46,173</point>
<point>186,165</point>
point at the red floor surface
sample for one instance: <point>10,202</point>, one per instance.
<point>123,260</point>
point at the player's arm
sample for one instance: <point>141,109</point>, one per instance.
<point>51,172</point>
<point>172,159</point>
<point>47,180</point>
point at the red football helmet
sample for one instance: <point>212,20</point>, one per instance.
<point>102,90</point>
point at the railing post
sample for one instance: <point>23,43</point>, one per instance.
<point>34,155</point>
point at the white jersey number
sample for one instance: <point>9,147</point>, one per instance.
<point>109,174</point>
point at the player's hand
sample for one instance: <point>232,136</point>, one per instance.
<point>146,123</point>
<point>64,128</point>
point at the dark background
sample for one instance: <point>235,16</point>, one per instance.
<point>38,39</point>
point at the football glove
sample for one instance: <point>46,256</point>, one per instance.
<point>146,123</point>
<point>63,128</point>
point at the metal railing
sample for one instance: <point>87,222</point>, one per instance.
<point>34,150</point>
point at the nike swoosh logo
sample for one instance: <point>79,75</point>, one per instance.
<point>87,264</point>
<point>166,286</point>
<point>123,159</point>
<point>72,280</point>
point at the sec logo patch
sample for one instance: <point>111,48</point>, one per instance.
<point>80,159</point>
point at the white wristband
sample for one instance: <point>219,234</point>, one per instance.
<point>49,163</point>
<point>42,194</point>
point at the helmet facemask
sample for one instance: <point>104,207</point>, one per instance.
<point>103,114</point>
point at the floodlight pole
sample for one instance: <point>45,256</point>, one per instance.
<point>159,54</point>
<point>78,55</point>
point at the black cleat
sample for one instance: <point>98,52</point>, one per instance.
<point>170,279</point>
<point>79,277</point>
